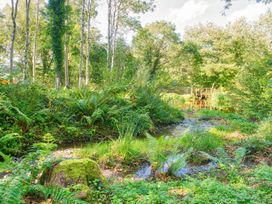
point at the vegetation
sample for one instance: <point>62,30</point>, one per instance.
<point>162,119</point>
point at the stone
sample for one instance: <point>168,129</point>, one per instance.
<point>73,171</point>
<point>83,192</point>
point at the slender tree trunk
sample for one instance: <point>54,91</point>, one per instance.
<point>81,44</point>
<point>35,41</point>
<point>66,62</point>
<point>114,30</point>
<point>25,71</point>
<point>109,34</point>
<point>114,39</point>
<point>58,80</point>
<point>88,44</point>
<point>14,9</point>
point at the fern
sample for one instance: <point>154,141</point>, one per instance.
<point>10,143</point>
<point>7,162</point>
<point>61,195</point>
<point>11,190</point>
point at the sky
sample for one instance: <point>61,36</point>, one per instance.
<point>185,13</point>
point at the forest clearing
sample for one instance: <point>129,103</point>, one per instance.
<point>135,101</point>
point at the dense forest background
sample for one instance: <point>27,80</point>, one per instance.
<point>208,56</point>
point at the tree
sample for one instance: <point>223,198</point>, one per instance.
<point>81,43</point>
<point>14,8</point>
<point>57,18</point>
<point>120,15</point>
<point>152,44</point>
<point>66,45</point>
<point>26,66</point>
<point>228,3</point>
<point>35,40</point>
<point>89,15</point>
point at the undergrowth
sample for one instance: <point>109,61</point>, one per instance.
<point>31,111</point>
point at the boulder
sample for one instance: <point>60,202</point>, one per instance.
<point>72,172</point>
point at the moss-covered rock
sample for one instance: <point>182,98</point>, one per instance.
<point>82,191</point>
<point>74,171</point>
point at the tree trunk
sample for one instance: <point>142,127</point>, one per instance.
<point>58,80</point>
<point>25,71</point>
<point>109,34</point>
<point>88,44</point>
<point>115,24</point>
<point>14,8</point>
<point>81,44</point>
<point>35,41</point>
<point>66,62</point>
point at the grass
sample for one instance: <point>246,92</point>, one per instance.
<point>201,141</point>
<point>154,150</point>
<point>234,121</point>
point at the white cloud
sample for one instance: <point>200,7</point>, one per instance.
<point>251,12</point>
<point>189,11</point>
<point>3,3</point>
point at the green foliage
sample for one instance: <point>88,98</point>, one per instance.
<point>234,121</point>
<point>34,113</point>
<point>213,191</point>
<point>55,193</point>
<point>265,129</point>
<point>230,164</point>
<point>99,192</point>
<point>201,141</point>
<point>11,144</point>
<point>143,192</point>
<point>160,112</point>
<point>261,139</point>
<point>152,45</point>
<point>253,89</point>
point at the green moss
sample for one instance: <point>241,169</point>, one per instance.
<point>69,172</point>
<point>82,191</point>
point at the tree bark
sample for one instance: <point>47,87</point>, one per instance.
<point>66,60</point>
<point>25,71</point>
<point>81,44</point>
<point>114,25</point>
<point>14,9</point>
<point>88,44</point>
<point>109,34</point>
<point>35,41</point>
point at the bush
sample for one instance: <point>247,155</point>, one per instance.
<point>265,129</point>
<point>251,92</point>
<point>159,111</point>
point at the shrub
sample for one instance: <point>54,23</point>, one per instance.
<point>265,129</point>
<point>159,111</point>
